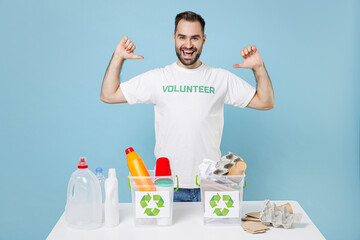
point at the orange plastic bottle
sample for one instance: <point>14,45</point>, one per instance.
<point>137,169</point>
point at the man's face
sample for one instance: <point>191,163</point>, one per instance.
<point>189,40</point>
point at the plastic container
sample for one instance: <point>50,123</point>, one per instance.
<point>111,199</point>
<point>83,207</point>
<point>101,178</point>
<point>150,206</point>
<point>164,182</point>
<point>137,168</point>
<point>221,198</point>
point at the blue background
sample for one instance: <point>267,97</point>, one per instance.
<point>53,55</point>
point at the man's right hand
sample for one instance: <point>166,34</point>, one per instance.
<point>111,91</point>
<point>125,49</point>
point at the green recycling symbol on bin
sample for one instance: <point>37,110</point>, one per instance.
<point>228,202</point>
<point>157,199</point>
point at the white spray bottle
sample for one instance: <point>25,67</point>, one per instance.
<point>111,199</point>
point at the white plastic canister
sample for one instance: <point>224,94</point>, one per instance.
<point>111,199</point>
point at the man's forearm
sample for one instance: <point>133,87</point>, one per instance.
<point>111,80</point>
<point>111,90</point>
<point>264,88</point>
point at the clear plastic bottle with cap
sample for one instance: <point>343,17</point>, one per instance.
<point>84,202</point>
<point>101,178</point>
<point>137,168</point>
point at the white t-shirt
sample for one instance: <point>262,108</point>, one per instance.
<point>189,112</point>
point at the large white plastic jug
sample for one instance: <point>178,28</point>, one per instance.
<point>84,201</point>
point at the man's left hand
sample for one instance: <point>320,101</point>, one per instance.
<point>252,58</point>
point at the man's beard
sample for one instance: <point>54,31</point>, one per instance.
<point>187,62</point>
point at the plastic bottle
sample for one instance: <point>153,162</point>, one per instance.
<point>137,169</point>
<point>164,182</point>
<point>111,199</point>
<point>101,179</point>
<point>83,207</point>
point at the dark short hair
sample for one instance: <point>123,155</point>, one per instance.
<point>191,17</point>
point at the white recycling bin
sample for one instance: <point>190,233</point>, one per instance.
<point>221,198</point>
<point>152,204</point>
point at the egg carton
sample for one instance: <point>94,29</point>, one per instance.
<point>223,166</point>
<point>271,215</point>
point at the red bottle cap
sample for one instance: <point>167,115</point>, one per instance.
<point>129,150</point>
<point>162,167</point>
<point>82,163</point>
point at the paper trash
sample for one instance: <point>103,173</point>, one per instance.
<point>271,215</point>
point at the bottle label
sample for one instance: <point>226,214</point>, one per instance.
<point>155,204</point>
<point>222,204</point>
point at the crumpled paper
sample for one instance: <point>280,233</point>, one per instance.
<point>207,167</point>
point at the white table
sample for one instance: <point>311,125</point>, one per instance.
<point>188,225</point>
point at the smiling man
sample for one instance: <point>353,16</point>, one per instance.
<point>188,98</point>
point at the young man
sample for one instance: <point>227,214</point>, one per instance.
<point>188,98</point>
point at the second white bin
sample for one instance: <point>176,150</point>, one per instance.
<point>221,198</point>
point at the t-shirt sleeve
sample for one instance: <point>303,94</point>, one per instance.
<point>141,89</point>
<point>239,93</point>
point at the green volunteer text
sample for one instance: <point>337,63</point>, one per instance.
<point>188,89</point>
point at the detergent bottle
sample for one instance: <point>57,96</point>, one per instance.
<point>83,206</point>
<point>138,170</point>
<point>111,199</point>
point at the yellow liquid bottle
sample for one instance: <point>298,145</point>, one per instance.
<point>137,168</point>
